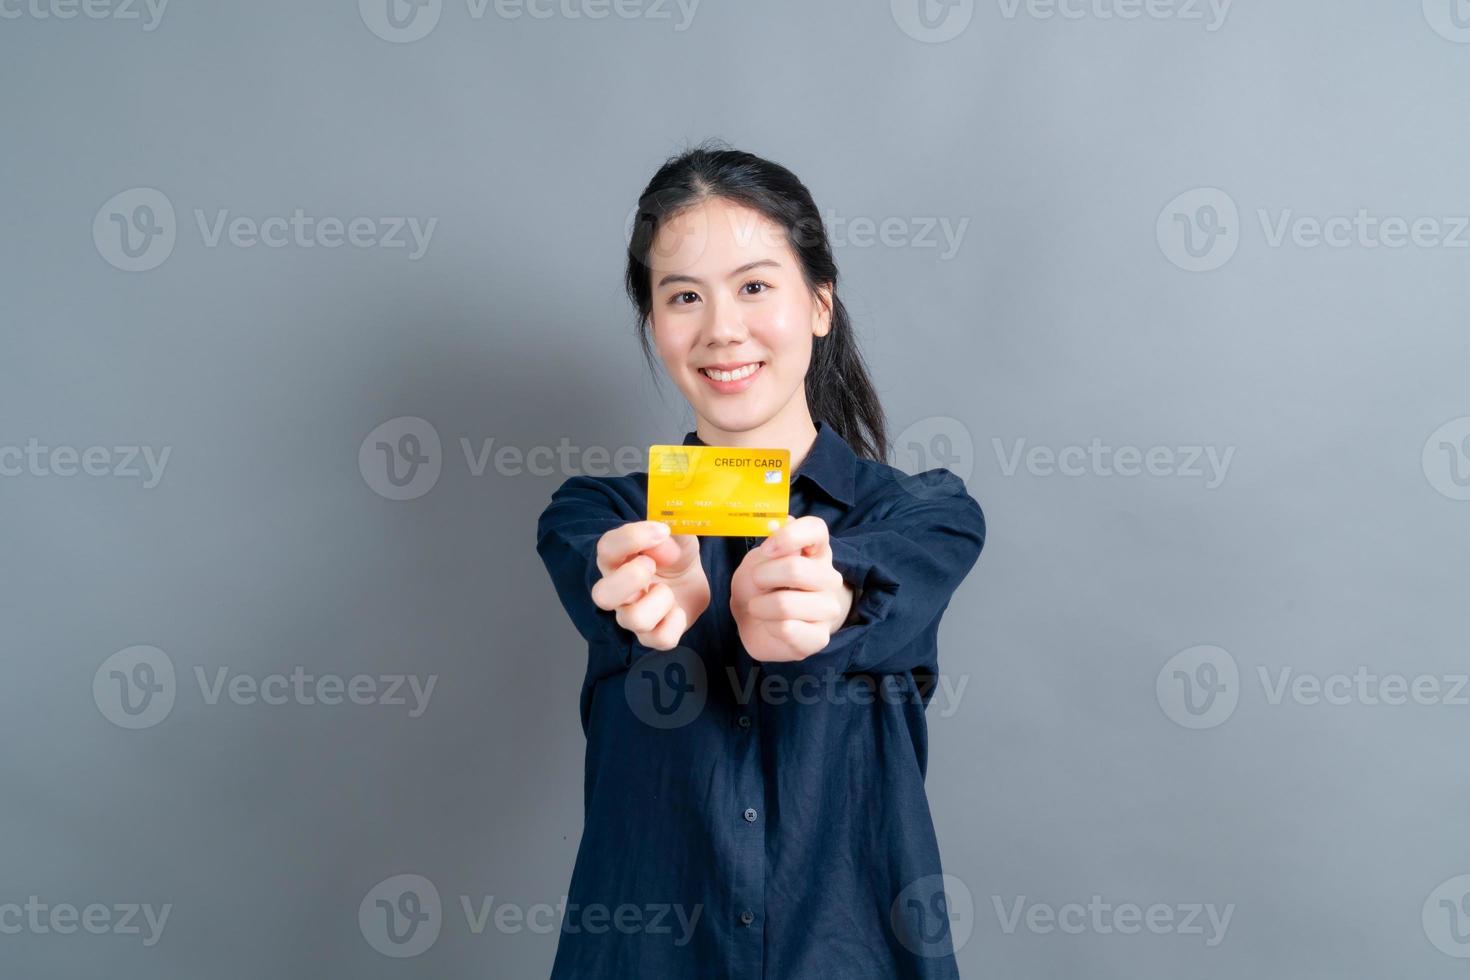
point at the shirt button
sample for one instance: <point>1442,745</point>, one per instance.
<point>744,721</point>
<point>747,917</point>
<point>750,815</point>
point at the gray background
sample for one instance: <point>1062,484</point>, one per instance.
<point>1335,540</point>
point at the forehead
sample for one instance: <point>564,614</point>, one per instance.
<point>715,235</point>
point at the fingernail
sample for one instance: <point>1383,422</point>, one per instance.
<point>660,529</point>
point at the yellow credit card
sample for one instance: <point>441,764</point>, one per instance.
<point>719,490</point>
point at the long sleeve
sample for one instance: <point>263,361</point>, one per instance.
<point>905,564</point>
<point>581,511</point>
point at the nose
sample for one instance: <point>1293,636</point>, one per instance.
<point>724,325</point>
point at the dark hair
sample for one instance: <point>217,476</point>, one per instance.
<point>838,390</point>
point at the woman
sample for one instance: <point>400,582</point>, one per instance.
<point>754,710</point>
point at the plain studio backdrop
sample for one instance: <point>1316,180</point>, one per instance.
<point>1178,288</point>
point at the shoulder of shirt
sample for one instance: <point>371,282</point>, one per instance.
<point>890,482</point>
<point>892,490</point>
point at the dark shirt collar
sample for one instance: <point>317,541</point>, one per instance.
<point>830,463</point>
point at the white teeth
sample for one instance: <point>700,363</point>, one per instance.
<point>734,375</point>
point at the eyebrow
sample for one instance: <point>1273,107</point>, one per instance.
<point>677,277</point>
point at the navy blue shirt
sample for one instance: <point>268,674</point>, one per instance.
<point>751,820</point>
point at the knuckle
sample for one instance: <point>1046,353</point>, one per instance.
<point>651,640</point>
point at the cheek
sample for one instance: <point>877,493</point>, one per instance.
<point>670,343</point>
<point>785,330</point>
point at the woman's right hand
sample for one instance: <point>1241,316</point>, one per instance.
<point>652,580</point>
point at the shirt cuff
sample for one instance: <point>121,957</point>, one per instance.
<point>874,589</point>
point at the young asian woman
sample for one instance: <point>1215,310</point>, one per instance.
<point>755,709</point>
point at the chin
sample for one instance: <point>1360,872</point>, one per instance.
<point>739,421</point>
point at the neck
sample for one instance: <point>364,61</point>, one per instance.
<point>791,429</point>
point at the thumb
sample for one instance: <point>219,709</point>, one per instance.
<point>675,554</point>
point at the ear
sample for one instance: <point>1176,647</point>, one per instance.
<point>822,311</point>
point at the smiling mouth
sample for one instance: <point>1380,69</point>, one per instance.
<point>734,374</point>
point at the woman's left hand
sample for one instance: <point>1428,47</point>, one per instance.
<point>786,597</point>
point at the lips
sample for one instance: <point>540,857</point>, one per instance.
<point>730,372</point>
<point>731,378</point>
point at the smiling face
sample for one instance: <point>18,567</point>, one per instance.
<point>733,321</point>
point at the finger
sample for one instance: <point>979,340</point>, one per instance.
<point>804,638</point>
<point>675,554</point>
<point>624,583</point>
<point>642,615</point>
<point>795,572</point>
<point>810,607</point>
<point>666,635</point>
<point>805,534</point>
<point>622,543</point>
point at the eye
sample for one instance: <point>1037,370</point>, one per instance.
<point>674,300</point>
<point>758,282</point>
